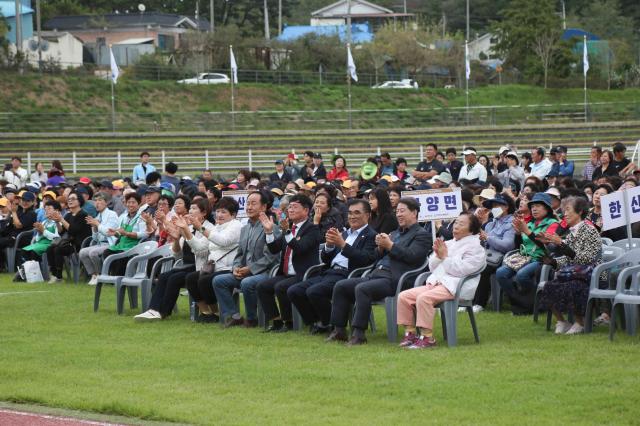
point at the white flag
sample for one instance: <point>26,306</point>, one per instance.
<point>234,66</point>
<point>351,66</point>
<point>585,57</point>
<point>467,65</point>
<point>115,72</point>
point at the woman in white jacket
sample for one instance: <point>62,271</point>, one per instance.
<point>220,243</point>
<point>449,263</point>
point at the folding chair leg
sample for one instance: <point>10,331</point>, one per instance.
<point>96,297</point>
<point>631,318</point>
<point>133,297</point>
<point>612,322</point>
<point>298,323</point>
<point>443,317</point>
<point>451,308</point>
<point>145,294</point>
<point>472,319</point>
<point>588,318</point>
<point>391,308</point>
<point>372,321</point>
<point>120,299</point>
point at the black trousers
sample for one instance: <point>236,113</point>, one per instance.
<point>312,297</point>
<point>5,242</point>
<point>276,287</point>
<point>362,291</point>
<point>119,266</point>
<point>24,255</point>
<point>200,286</point>
<point>167,290</point>
<point>55,257</point>
<point>484,287</point>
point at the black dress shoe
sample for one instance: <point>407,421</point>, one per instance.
<point>337,335</point>
<point>356,341</point>
<point>276,326</point>
<point>319,329</point>
<point>208,318</point>
<point>288,325</point>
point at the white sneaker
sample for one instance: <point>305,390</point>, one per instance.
<point>462,309</point>
<point>603,319</point>
<point>53,279</point>
<point>184,293</point>
<point>93,280</point>
<point>575,329</point>
<point>562,327</point>
<point>148,316</point>
<point>477,308</point>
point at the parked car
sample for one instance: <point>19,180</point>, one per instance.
<point>207,78</point>
<point>402,84</point>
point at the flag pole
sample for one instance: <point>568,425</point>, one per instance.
<point>113,97</point>
<point>467,65</point>
<point>585,53</point>
<point>349,89</point>
<point>233,115</point>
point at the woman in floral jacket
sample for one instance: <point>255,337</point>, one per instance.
<point>580,251</point>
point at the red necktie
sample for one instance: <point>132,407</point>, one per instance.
<point>287,254</point>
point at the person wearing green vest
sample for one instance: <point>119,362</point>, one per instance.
<point>131,230</point>
<point>46,232</point>
<point>519,283</point>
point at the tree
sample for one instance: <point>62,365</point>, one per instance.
<point>529,29</point>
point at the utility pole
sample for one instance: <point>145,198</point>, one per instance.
<point>467,19</point>
<point>212,14</point>
<point>266,21</point>
<point>18,26</point>
<point>279,17</point>
<point>39,30</point>
<point>349,21</point>
<point>444,24</point>
<point>405,15</point>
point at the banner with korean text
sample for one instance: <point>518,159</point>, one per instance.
<point>437,204</point>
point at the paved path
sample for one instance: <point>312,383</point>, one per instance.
<point>21,418</point>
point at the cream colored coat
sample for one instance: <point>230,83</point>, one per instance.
<point>466,256</point>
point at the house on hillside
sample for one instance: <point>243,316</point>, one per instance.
<point>8,10</point>
<point>131,34</point>
<point>362,12</point>
<point>61,48</point>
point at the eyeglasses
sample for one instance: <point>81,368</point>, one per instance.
<point>354,213</point>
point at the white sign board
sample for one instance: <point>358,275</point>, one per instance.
<point>241,198</point>
<point>437,204</point>
<point>633,198</point>
<point>614,213</point>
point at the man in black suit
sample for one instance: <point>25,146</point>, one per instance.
<point>281,174</point>
<point>343,253</point>
<point>299,248</point>
<point>404,249</point>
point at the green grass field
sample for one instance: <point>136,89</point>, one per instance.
<point>56,352</point>
<point>33,93</point>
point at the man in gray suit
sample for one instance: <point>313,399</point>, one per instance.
<point>251,266</point>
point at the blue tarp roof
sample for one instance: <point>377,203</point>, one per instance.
<point>578,33</point>
<point>8,9</point>
<point>360,33</point>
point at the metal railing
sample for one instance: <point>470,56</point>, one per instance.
<point>119,165</point>
<point>317,120</point>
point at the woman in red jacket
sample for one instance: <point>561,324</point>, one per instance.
<point>339,171</point>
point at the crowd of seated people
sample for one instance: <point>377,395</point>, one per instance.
<point>520,211</point>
